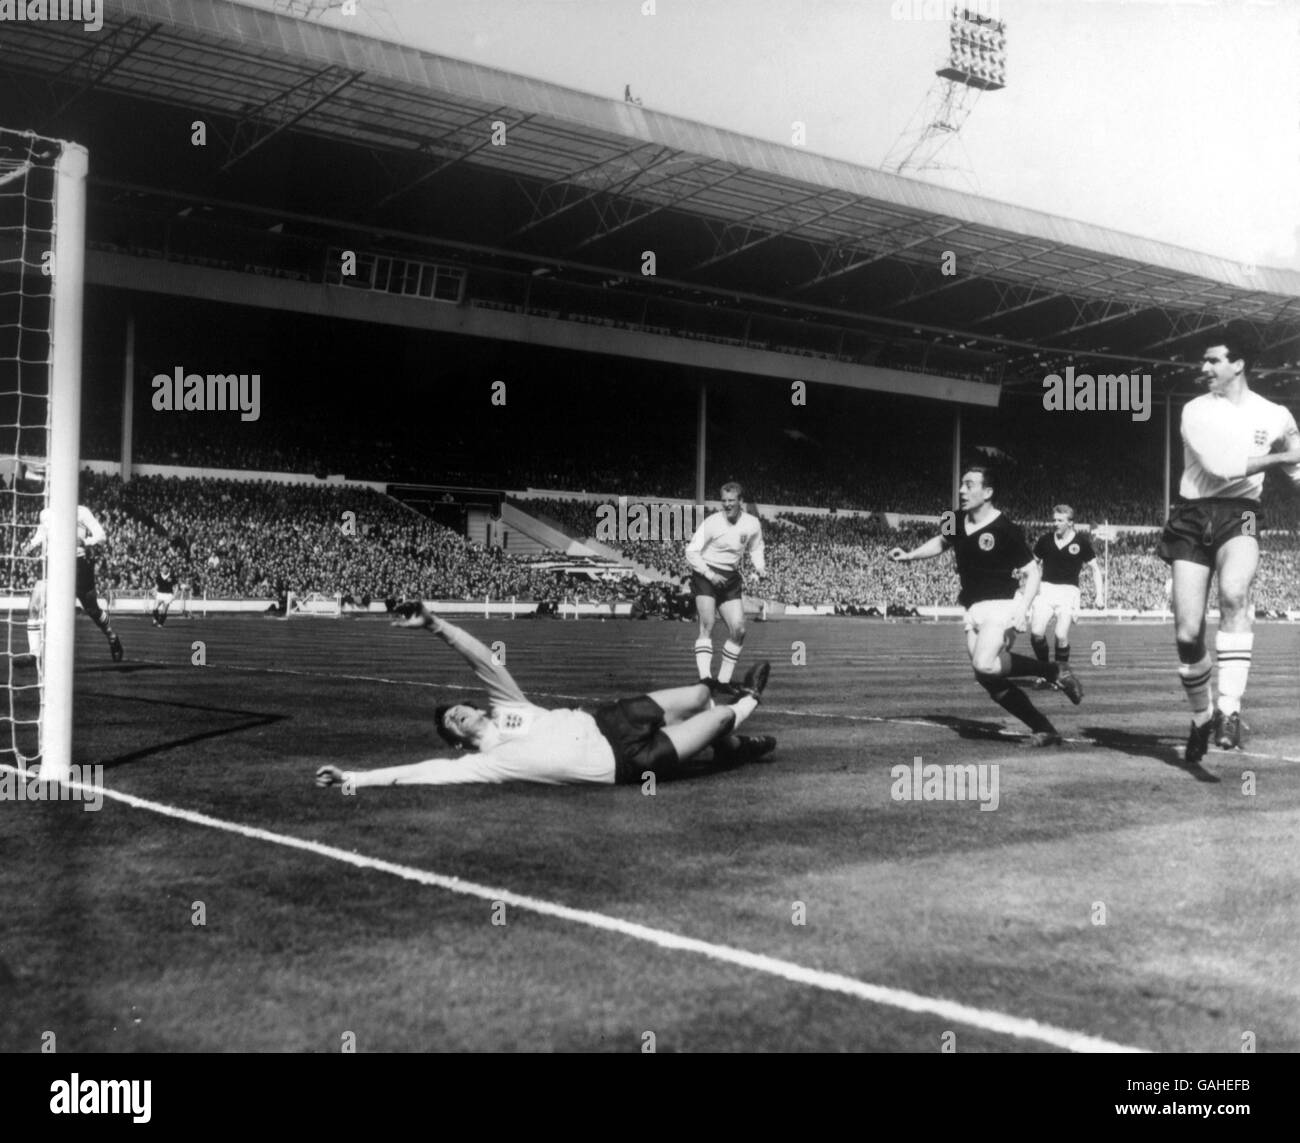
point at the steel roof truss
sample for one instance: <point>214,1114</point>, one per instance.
<point>282,111</point>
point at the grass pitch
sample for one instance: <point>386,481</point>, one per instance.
<point>1113,895</point>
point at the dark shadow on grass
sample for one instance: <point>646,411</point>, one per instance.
<point>1146,746</point>
<point>121,668</point>
<point>252,720</point>
<point>970,728</point>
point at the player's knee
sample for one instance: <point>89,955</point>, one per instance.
<point>987,667</point>
<point>1233,599</point>
<point>738,632</point>
<point>1190,650</point>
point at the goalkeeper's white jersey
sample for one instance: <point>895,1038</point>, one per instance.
<point>527,744</point>
<point>89,530</point>
<point>1219,437</point>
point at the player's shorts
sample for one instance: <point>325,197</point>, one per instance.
<point>733,588</point>
<point>634,729</point>
<point>1059,599</point>
<point>997,613</point>
<point>1197,529</point>
<point>85,576</point>
<point>161,597</point>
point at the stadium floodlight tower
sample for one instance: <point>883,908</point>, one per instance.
<point>977,62</point>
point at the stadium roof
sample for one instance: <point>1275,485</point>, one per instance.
<point>590,182</point>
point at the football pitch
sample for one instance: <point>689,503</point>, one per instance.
<point>1096,896</point>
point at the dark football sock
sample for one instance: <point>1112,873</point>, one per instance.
<point>1022,666</point>
<point>1039,643</point>
<point>1063,652</point>
<point>1014,701</point>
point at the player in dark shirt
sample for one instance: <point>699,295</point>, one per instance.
<point>166,592</point>
<point>991,556</point>
<point>1062,554</point>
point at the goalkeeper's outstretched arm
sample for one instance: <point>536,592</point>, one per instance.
<point>432,772</point>
<point>500,685</point>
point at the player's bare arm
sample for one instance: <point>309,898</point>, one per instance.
<point>1288,453</point>
<point>927,551</point>
<point>1098,589</point>
<point>1032,577</point>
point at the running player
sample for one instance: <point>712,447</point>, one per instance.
<point>163,596</point>
<point>1231,437</point>
<point>518,741</point>
<point>1061,554</point>
<point>991,555</point>
<point>715,554</point>
<point>90,534</point>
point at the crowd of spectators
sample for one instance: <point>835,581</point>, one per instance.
<point>259,540</point>
<point>816,559</point>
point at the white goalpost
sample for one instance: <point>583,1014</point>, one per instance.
<point>42,276</point>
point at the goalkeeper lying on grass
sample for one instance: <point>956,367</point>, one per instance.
<point>518,741</point>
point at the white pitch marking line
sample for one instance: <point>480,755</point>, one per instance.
<point>947,1010</point>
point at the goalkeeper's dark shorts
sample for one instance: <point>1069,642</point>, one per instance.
<point>733,588</point>
<point>1197,529</point>
<point>85,576</point>
<point>634,729</point>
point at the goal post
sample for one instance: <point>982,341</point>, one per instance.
<point>69,272</point>
<point>42,279</point>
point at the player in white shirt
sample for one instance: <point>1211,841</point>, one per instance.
<point>90,534</point>
<point>517,741</point>
<point>1231,437</point>
<point>715,554</point>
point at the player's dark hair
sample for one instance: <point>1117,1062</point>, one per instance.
<point>986,474</point>
<point>1241,344</point>
<point>449,736</point>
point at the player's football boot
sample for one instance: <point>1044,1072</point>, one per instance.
<point>755,680</point>
<point>1198,741</point>
<point>1227,730</point>
<point>1067,682</point>
<point>1042,738</point>
<point>115,649</point>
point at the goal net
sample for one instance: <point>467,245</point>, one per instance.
<point>42,258</point>
<point>313,605</point>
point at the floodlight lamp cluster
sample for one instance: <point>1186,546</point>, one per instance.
<point>977,51</point>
